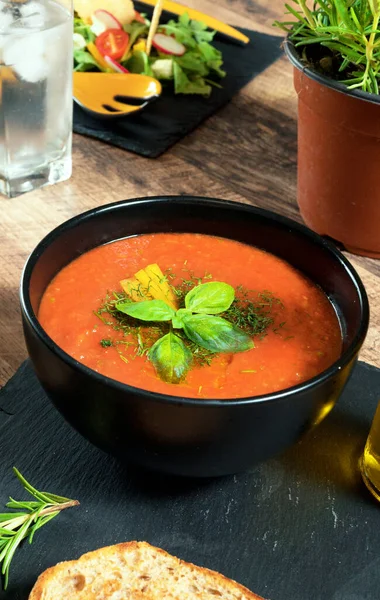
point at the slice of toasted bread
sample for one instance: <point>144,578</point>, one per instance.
<point>134,571</point>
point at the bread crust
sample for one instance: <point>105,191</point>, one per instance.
<point>40,590</point>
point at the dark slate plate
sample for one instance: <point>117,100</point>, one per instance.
<point>299,527</point>
<point>164,122</point>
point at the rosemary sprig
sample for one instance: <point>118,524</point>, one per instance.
<point>31,515</point>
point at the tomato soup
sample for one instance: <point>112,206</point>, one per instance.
<point>302,336</point>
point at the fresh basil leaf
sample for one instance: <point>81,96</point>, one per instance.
<point>216,334</point>
<point>171,358</point>
<point>148,310</point>
<point>177,321</point>
<point>210,298</point>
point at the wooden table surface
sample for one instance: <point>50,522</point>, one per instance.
<point>246,152</point>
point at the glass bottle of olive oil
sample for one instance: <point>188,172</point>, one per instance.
<point>370,463</point>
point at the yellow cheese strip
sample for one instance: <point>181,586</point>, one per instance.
<point>156,274</point>
<point>135,290</point>
<point>155,287</point>
<point>148,284</point>
<point>179,9</point>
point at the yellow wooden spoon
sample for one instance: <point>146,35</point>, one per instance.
<point>114,94</point>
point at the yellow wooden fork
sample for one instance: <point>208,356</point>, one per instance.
<point>114,94</point>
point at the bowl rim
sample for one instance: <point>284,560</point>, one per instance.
<point>280,395</point>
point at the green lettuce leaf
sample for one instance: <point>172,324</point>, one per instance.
<point>191,73</point>
<point>139,63</point>
<point>193,62</point>
<point>184,85</point>
<point>213,58</point>
<point>84,61</point>
<point>84,29</point>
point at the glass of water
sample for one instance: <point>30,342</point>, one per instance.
<point>36,39</point>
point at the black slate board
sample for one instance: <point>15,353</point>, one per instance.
<point>166,121</point>
<point>298,527</point>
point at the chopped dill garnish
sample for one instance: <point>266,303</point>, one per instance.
<point>253,312</point>
<point>143,337</point>
<point>201,356</point>
<point>123,358</point>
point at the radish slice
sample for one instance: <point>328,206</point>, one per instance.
<point>108,20</point>
<point>168,45</point>
<point>97,26</point>
<point>115,65</point>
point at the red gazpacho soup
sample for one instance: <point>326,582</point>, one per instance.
<point>191,315</point>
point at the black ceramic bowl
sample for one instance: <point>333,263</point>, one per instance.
<point>180,435</point>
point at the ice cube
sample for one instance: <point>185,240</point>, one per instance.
<point>33,15</point>
<point>31,8</point>
<point>6,21</point>
<point>28,56</point>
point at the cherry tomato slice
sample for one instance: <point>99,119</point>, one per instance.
<point>112,42</point>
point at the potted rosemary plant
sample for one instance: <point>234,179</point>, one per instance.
<point>334,46</point>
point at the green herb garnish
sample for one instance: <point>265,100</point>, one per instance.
<point>147,310</point>
<point>216,334</point>
<point>253,316</point>
<point>105,343</point>
<point>30,516</point>
<point>171,358</point>
<point>348,32</point>
<point>169,355</point>
<point>210,298</point>
<point>176,340</point>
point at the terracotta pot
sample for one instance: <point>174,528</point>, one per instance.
<point>338,159</point>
